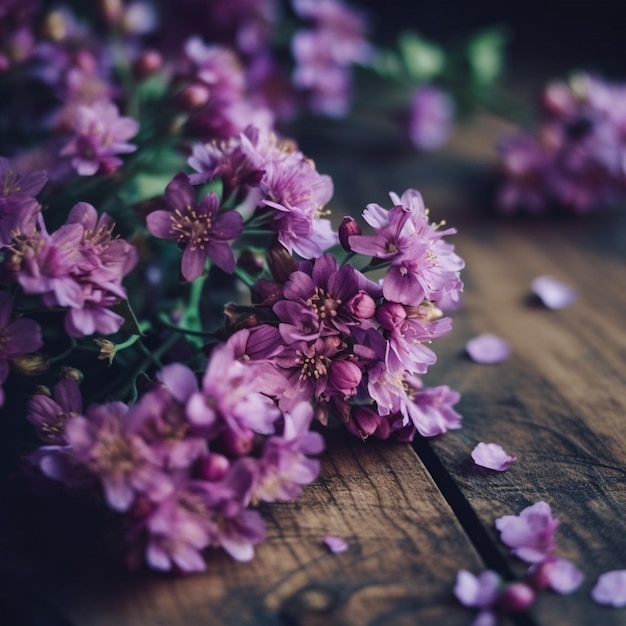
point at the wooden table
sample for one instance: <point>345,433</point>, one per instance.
<point>414,515</point>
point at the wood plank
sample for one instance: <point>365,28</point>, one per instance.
<point>558,403</point>
<point>405,549</point>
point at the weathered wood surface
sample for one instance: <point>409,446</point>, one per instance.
<point>558,403</point>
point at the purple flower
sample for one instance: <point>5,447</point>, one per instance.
<point>492,456</point>
<point>198,228</point>
<point>610,589</point>
<point>431,116</point>
<point>530,535</point>
<point>285,464</point>
<point>17,337</point>
<point>49,415</point>
<point>423,265</point>
<point>103,442</point>
<point>553,293</point>
<point>480,591</point>
<point>488,348</point>
<point>407,330</point>
<point>325,52</point>
<point>18,206</point>
<point>574,161</point>
<point>230,398</point>
<point>100,133</point>
<point>558,574</point>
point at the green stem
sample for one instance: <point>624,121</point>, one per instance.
<point>185,331</point>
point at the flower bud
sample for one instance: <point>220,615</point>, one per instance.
<point>347,228</point>
<point>214,467</point>
<point>280,262</point>
<point>72,373</point>
<point>239,443</point>
<point>390,315</point>
<point>147,63</point>
<point>362,305</point>
<point>517,597</point>
<point>30,364</point>
<point>345,377</point>
<point>252,263</point>
<point>364,422</point>
<point>193,97</point>
<point>42,390</point>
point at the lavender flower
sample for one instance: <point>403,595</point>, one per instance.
<point>18,206</point>
<point>325,53</point>
<point>285,464</point>
<point>104,443</point>
<point>423,265</point>
<point>531,534</point>
<point>49,415</point>
<point>230,398</point>
<point>431,117</point>
<point>198,228</point>
<point>17,337</point>
<point>100,133</point>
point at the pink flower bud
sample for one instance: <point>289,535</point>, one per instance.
<point>362,305</point>
<point>240,443</point>
<point>345,377</point>
<point>148,62</point>
<point>517,597</point>
<point>214,467</point>
<point>347,228</point>
<point>193,97</point>
<point>390,315</point>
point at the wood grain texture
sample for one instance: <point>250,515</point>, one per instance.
<point>559,401</point>
<point>405,549</point>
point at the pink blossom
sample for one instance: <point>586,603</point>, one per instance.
<point>530,535</point>
<point>335,544</point>
<point>105,444</point>
<point>488,348</point>
<point>553,293</point>
<point>492,456</point>
<point>17,337</point>
<point>431,116</point>
<point>199,228</point>
<point>610,589</point>
<point>100,133</point>
<point>480,591</point>
<point>558,574</point>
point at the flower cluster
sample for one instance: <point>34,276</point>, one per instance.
<point>574,160</point>
<point>178,320</point>
<point>530,535</point>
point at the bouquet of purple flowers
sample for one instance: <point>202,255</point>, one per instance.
<point>180,317</point>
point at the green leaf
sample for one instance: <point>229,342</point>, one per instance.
<point>422,59</point>
<point>485,54</point>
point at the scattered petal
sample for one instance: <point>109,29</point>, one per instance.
<point>492,456</point>
<point>553,293</point>
<point>336,545</point>
<point>610,588</point>
<point>563,576</point>
<point>477,591</point>
<point>487,348</point>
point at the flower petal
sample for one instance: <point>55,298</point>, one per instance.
<point>553,293</point>
<point>335,544</point>
<point>488,348</point>
<point>610,588</point>
<point>492,456</point>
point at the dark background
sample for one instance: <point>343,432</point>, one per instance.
<point>554,37</point>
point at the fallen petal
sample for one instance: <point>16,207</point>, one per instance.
<point>487,348</point>
<point>610,589</point>
<point>563,576</point>
<point>336,545</point>
<point>492,456</point>
<point>553,293</point>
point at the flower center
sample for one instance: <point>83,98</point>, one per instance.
<point>324,304</point>
<point>192,228</point>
